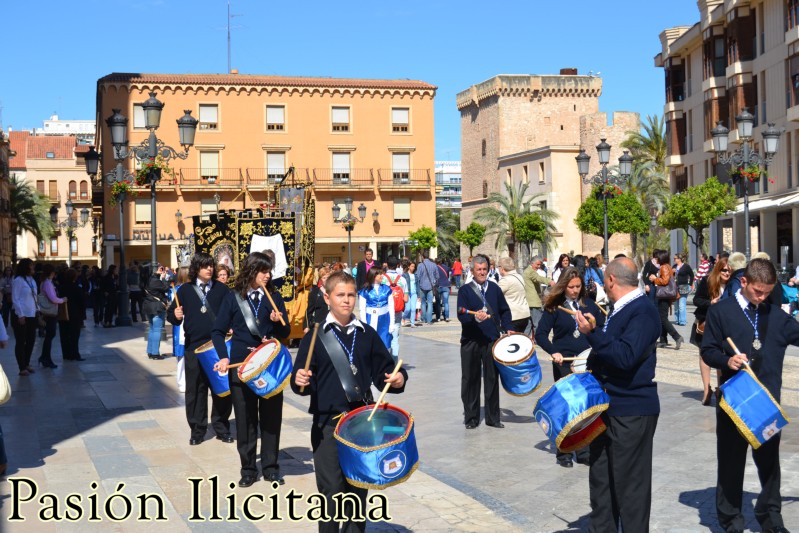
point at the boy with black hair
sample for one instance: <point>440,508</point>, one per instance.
<point>370,364</point>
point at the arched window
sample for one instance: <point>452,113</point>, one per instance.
<point>84,190</point>
<point>73,190</point>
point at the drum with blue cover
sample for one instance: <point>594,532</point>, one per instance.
<point>207,357</point>
<point>517,364</point>
<point>752,408</point>
<point>267,370</point>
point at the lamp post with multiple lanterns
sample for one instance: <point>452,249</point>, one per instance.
<point>348,221</point>
<point>70,224</point>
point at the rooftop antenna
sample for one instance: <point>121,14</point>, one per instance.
<point>229,16</point>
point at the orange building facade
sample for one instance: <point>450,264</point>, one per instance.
<point>369,140</point>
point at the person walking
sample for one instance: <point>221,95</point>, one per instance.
<point>154,307</point>
<point>457,272</point>
<point>135,291</point>
<point>685,280</point>
<point>534,285</point>
<point>50,319</point>
<point>409,315</point>
<point>512,286</point>
<point>663,279</point>
<point>70,323</point>
<point>24,294</point>
<point>443,291</point>
<point>427,276</point>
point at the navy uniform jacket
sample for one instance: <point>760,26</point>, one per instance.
<point>562,325</point>
<point>230,316</point>
<point>776,331</point>
<point>197,326</point>
<point>624,358</point>
<point>487,331</point>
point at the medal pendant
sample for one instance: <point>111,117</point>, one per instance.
<point>576,334</point>
<point>756,344</point>
<point>354,369</point>
<point>203,309</point>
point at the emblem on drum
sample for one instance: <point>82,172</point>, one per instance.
<point>525,378</point>
<point>770,430</point>
<point>260,383</point>
<point>392,464</point>
<point>543,421</point>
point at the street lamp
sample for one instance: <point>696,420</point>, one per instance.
<point>604,178</point>
<point>745,156</point>
<point>348,221</point>
<point>217,199</point>
<point>70,224</point>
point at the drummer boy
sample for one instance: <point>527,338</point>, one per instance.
<point>367,362</point>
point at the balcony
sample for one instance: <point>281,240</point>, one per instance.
<point>166,182</point>
<point>793,113</point>
<point>268,178</point>
<point>198,179</point>
<point>416,179</point>
<point>331,179</point>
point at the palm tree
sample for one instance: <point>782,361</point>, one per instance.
<point>500,217</point>
<point>447,223</point>
<point>32,212</point>
<point>649,144</point>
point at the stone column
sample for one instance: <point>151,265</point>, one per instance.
<point>768,235</point>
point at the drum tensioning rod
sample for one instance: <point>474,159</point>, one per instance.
<point>385,391</point>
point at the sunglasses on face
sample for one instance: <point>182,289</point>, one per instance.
<point>724,270</point>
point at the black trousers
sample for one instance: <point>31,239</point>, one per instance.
<point>98,306</point>
<point>520,326</point>
<point>25,338</point>
<point>50,328</point>
<point>477,358</point>
<point>197,389</point>
<point>135,305</point>
<point>253,413</point>
<point>69,332</point>
<point>731,450</point>
<point>111,304</point>
<point>620,477</point>
<point>330,480</point>
<point>560,371</point>
<point>666,327</point>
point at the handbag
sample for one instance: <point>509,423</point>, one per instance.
<point>5,387</point>
<point>668,291</point>
<point>700,327</point>
<point>47,307</point>
<point>685,290</point>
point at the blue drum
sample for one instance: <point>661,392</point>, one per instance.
<point>377,453</point>
<point>207,356</point>
<point>569,411</point>
<point>517,364</point>
<point>752,408</point>
<point>267,370</point>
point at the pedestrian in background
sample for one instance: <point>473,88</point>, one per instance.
<point>5,287</point>
<point>457,272</point>
<point>685,280</point>
<point>513,288</point>
<point>155,305</point>
<point>70,323</point>
<point>133,279</point>
<point>24,293</point>
<point>50,320</point>
<point>534,285</point>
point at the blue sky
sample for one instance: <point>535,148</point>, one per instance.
<point>55,51</point>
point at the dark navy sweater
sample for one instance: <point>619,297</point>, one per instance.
<point>562,326</point>
<point>487,331</point>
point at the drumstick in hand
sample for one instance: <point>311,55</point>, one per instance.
<point>177,301</point>
<point>310,352</point>
<point>567,310</point>
<point>271,301</point>
<point>734,347</point>
<point>464,311</point>
<point>575,358</point>
<point>385,391</point>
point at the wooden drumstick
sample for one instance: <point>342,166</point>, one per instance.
<point>310,352</point>
<point>574,313</point>
<point>385,391</point>
<point>603,310</point>
<point>271,301</point>
<point>734,347</point>
<point>575,358</point>
<point>235,365</point>
<point>177,300</point>
<point>464,311</point>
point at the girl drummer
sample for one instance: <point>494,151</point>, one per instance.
<point>252,411</point>
<point>567,341</point>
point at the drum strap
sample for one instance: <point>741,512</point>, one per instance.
<point>342,365</point>
<point>249,318</point>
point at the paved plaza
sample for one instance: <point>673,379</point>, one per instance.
<point>115,422</point>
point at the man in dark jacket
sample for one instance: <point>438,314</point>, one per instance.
<point>154,307</point>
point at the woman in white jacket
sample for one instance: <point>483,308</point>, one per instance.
<point>23,297</point>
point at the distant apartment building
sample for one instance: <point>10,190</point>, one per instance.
<point>448,184</point>
<point>369,140</point>
<point>528,129</point>
<point>82,130</point>
<point>738,54</point>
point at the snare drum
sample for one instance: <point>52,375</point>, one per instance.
<point>267,370</point>
<point>752,408</point>
<point>517,364</point>
<point>569,410</point>
<point>581,363</point>
<point>379,453</point>
<point>207,356</point>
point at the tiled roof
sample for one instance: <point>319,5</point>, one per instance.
<point>62,147</point>
<point>19,143</point>
<point>251,80</point>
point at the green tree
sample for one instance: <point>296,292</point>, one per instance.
<point>472,236</point>
<point>625,215</point>
<point>500,217</point>
<point>650,186</point>
<point>425,238</point>
<point>649,143</point>
<point>530,229</point>
<point>696,207</point>
<point>447,224</point>
<point>32,211</point>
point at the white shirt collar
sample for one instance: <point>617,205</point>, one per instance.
<point>351,325</point>
<point>742,301</point>
<point>251,290</point>
<point>200,282</point>
<point>627,298</point>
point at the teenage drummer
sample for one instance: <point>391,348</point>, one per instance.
<point>565,298</point>
<point>246,311</point>
<point>363,360</point>
<point>762,332</point>
<point>200,301</point>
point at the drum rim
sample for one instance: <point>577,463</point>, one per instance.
<point>204,347</point>
<point>513,363</point>
<point>266,363</point>
<point>361,409</point>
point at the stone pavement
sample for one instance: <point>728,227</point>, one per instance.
<point>118,418</point>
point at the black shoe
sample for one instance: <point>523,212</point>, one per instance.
<point>708,396</point>
<point>155,357</point>
<point>225,437</point>
<point>678,343</point>
<point>275,477</point>
<point>662,344</point>
<point>247,480</point>
<point>471,424</point>
<point>498,425</point>
<point>565,462</point>
<point>583,460</point>
<point>194,441</point>
<point>778,529</point>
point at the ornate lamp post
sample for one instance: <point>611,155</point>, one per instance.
<point>348,221</point>
<point>70,224</point>
<point>745,156</point>
<point>604,178</point>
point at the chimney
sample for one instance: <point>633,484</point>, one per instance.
<point>568,72</point>
<point>234,71</point>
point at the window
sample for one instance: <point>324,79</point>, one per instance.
<point>401,167</point>
<point>485,188</point>
<point>275,117</point>
<point>73,245</point>
<point>207,207</point>
<point>714,54</point>
<point>84,190</point>
<point>508,176</point>
<point>483,147</point>
<point>42,248</point>
<point>142,211</point>
<point>402,209</point>
<point>50,155</point>
<point>792,15</point>
<point>341,167</point>
<point>209,165</point>
<point>275,166</point>
<point>400,119</point>
<point>138,116</point>
<point>73,190</point>
<point>542,177</point>
<point>525,174</point>
<point>40,186</point>
<point>54,246</point>
<point>53,190</point>
<point>341,119</point>
<point>209,117</point>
